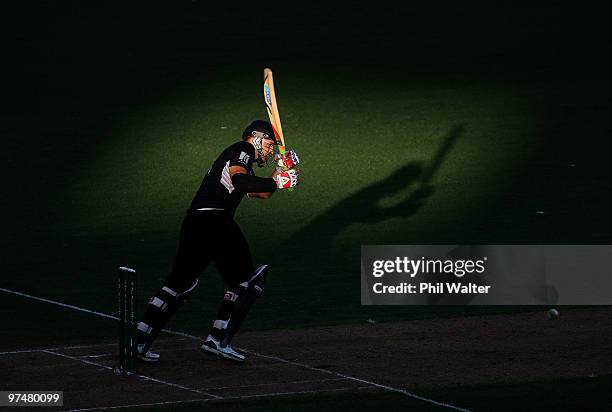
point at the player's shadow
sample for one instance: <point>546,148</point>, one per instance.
<point>401,194</point>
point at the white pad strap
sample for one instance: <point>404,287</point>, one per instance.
<point>158,303</point>
<point>169,291</point>
<point>258,272</point>
<point>220,324</point>
<point>190,289</point>
<point>143,327</point>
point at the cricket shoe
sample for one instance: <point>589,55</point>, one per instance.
<point>148,356</point>
<point>212,346</point>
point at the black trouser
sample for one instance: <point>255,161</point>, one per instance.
<point>210,235</point>
<point>205,236</point>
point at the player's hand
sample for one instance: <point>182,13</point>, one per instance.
<point>287,179</point>
<point>287,160</point>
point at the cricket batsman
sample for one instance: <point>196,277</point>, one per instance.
<point>209,233</point>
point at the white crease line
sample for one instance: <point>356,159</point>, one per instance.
<point>103,355</point>
<point>93,312</point>
<point>64,305</point>
<point>16,352</point>
<point>175,385</point>
<point>378,385</point>
<point>96,345</point>
<point>102,408</point>
<point>229,398</point>
<point>263,395</point>
<point>50,352</point>
<point>273,383</point>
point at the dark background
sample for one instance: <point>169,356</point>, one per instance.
<point>72,69</point>
<point>96,60</point>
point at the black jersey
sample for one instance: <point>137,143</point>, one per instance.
<point>217,191</point>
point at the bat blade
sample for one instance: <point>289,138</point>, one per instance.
<point>272,108</point>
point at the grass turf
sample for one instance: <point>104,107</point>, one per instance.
<point>116,195</point>
<point>115,116</point>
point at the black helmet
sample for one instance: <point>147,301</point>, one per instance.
<point>259,128</point>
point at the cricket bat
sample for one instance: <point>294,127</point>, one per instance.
<point>272,108</point>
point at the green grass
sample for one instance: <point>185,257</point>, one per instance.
<point>115,112</point>
<point>116,195</point>
<point>110,132</point>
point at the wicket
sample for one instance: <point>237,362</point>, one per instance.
<point>127,321</point>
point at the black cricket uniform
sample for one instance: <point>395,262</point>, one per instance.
<point>209,231</point>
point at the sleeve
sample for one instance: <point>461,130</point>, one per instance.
<point>242,154</point>
<point>253,184</point>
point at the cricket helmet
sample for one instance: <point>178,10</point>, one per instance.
<point>259,130</point>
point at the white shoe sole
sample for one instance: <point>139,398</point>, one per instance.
<point>145,359</point>
<point>212,351</point>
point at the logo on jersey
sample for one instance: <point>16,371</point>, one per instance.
<point>244,158</point>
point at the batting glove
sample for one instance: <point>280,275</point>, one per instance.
<point>287,160</point>
<point>287,179</point>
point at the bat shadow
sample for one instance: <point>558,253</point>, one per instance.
<point>402,194</point>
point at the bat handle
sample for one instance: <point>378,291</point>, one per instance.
<point>281,150</point>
